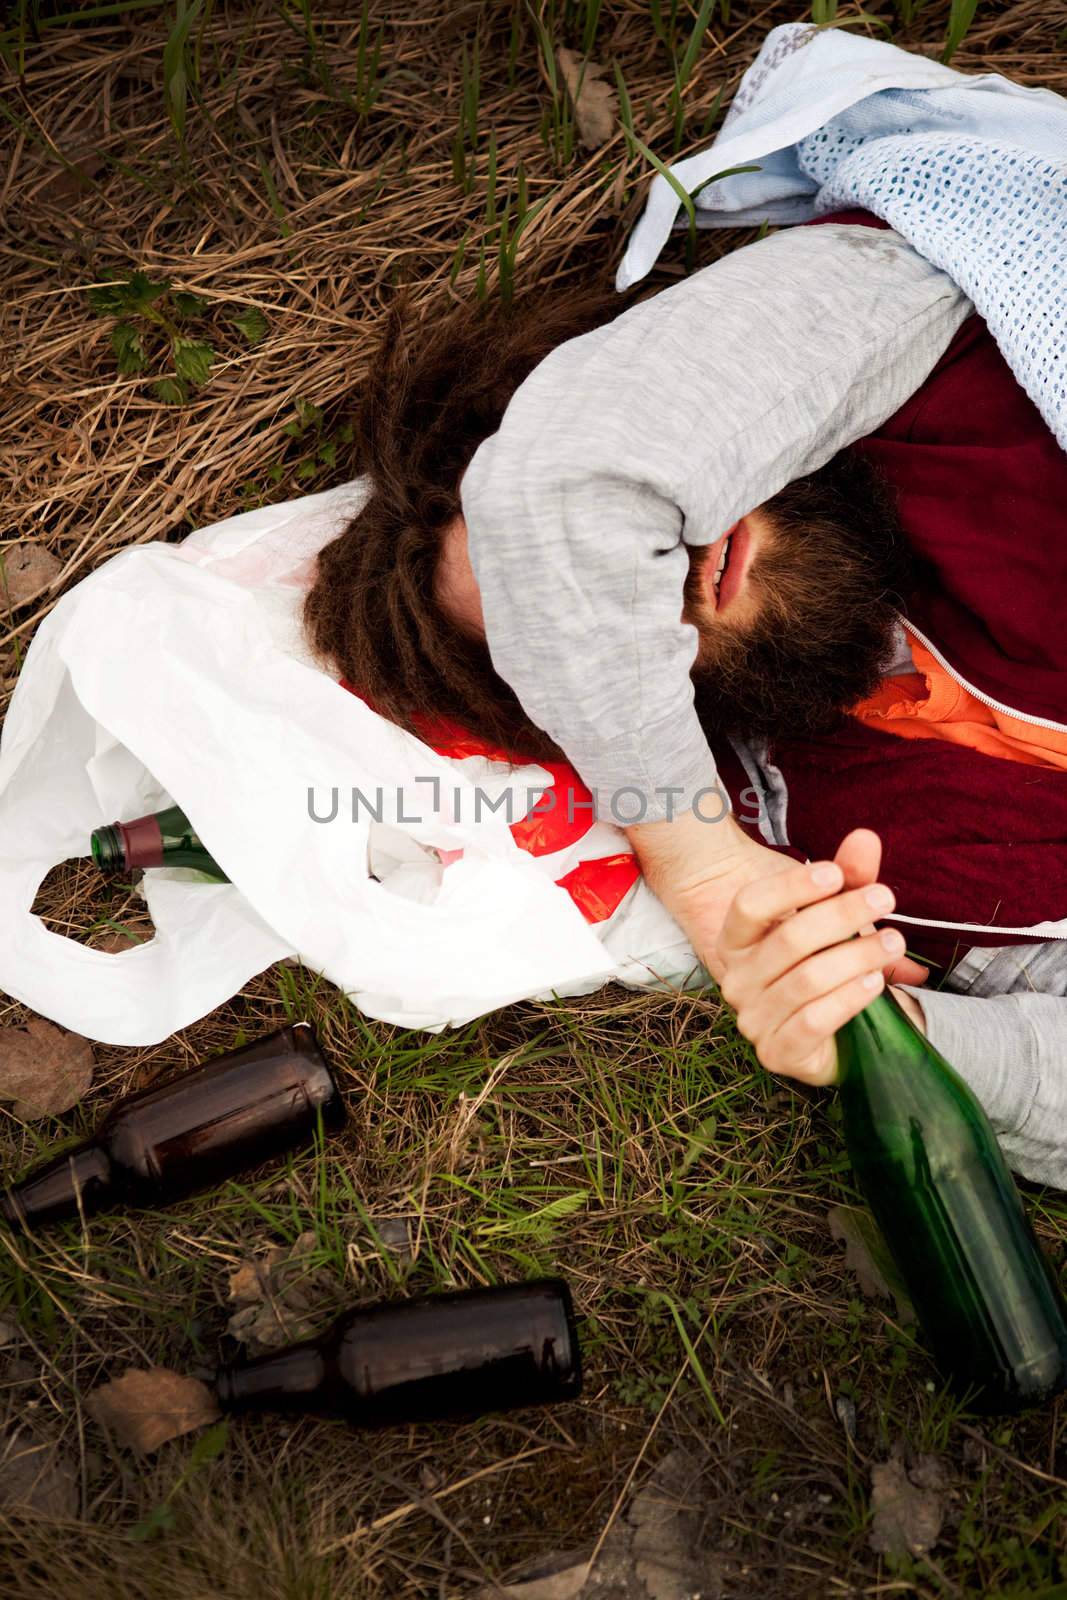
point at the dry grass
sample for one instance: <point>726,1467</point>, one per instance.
<point>285,200</point>
<point>694,1188</point>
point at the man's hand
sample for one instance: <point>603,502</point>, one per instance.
<point>800,956</point>
<point>696,868</point>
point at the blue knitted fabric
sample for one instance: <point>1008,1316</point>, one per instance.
<point>972,171</point>
<point>993,217</point>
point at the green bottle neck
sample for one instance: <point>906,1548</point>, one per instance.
<point>162,839</point>
<point>882,1031</point>
<point>889,1075</point>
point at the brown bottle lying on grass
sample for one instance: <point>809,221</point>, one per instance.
<point>195,1129</point>
<point>444,1355</point>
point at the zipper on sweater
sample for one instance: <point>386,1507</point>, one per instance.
<point>986,699</point>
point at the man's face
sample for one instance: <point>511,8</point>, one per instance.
<point>795,605</point>
<point>455,586</point>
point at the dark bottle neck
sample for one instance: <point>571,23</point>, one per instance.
<point>108,852</point>
<point>891,1076</point>
<point>79,1180</point>
<point>141,841</point>
<point>295,1378</point>
<point>164,838</point>
<point>883,1018</point>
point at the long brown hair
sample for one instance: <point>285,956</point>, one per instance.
<point>435,389</point>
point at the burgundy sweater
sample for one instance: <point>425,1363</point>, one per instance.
<point>969,839</point>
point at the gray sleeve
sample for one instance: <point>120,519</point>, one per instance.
<point>1012,1051</point>
<point>658,431</point>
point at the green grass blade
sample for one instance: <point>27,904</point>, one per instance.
<point>960,18</point>
<point>490,198</point>
<point>679,189</point>
<point>713,112</point>
<point>626,111</point>
<point>727,172</point>
<point>457,260</point>
<point>272,195</point>
<point>513,48</point>
<point>694,1360</point>
<point>589,29</point>
<point>176,66</point>
<point>89,14</point>
<point>696,39</point>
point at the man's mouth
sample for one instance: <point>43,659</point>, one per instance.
<point>721,568</point>
<point>731,564</point>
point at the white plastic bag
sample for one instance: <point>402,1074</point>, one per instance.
<point>178,674</point>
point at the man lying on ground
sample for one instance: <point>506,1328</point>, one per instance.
<point>826,621</point>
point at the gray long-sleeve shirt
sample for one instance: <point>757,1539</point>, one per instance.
<point>1001,1020</point>
<point>657,431</point>
<point>661,430</point>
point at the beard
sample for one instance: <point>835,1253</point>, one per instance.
<point>830,579</point>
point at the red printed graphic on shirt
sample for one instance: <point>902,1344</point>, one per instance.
<point>557,820</point>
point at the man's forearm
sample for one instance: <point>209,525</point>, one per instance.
<point>696,867</point>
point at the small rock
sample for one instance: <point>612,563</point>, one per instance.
<point>27,570</point>
<point>665,1516</point>
<point>654,1551</point>
<point>17,1370</point>
<point>395,1234</point>
<point>908,1506</point>
<point>552,1577</point>
<point>845,1412</point>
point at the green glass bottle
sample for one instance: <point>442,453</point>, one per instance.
<point>164,839</point>
<point>933,1175</point>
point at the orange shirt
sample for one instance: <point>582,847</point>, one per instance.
<point>930,704</point>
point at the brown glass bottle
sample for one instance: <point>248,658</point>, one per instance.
<point>414,1360</point>
<point>192,1130</point>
